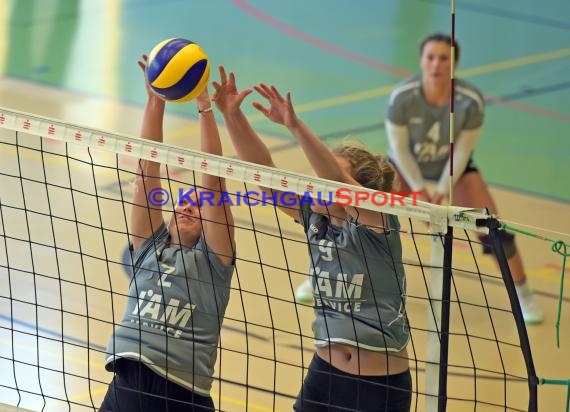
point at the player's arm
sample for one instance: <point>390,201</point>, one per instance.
<point>398,139</point>
<point>246,141</point>
<point>322,161</point>
<point>464,144</point>
<point>217,218</point>
<point>396,125</point>
<point>320,157</point>
<point>281,111</point>
<point>463,148</point>
<point>146,218</point>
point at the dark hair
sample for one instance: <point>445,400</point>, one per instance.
<point>440,37</point>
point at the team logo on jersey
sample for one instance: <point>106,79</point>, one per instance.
<point>430,149</point>
<point>157,309</point>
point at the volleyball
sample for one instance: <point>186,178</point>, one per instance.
<point>177,70</point>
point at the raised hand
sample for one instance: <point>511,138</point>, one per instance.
<point>281,110</point>
<point>424,196</point>
<point>143,65</point>
<point>438,198</point>
<point>226,96</point>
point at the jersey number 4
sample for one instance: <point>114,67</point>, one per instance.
<point>428,151</point>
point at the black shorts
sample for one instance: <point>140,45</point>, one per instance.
<point>328,389</point>
<point>136,388</point>
<point>470,167</point>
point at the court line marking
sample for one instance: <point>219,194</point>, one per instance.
<point>514,63</point>
<point>321,44</point>
<point>466,73</point>
<point>510,98</point>
<point>215,396</point>
<point>257,13</point>
<point>99,365</point>
<point>507,14</point>
<point>386,90</point>
<point>527,108</point>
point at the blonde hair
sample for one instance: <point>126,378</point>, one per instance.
<point>373,172</point>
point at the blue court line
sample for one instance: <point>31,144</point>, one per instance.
<point>513,15</point>
<point>536,91</point>
<point>49,332</point>
<point>102,349</point>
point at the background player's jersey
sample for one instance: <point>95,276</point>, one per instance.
<point>428,125</point>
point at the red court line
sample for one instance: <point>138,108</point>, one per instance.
<point>554,266</point>
<point>375,64</point>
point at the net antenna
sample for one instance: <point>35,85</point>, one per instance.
<point>440,279</point>
<point>434,342</point>
<point>439,286</point>
<point>452,103</point>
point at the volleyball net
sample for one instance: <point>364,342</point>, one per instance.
<point>65,269</point>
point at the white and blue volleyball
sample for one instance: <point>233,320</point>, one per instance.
<point>177,70</point>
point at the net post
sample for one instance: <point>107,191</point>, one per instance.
<point>445,316</point>
<point>438,225</point>
<point>494,227</point>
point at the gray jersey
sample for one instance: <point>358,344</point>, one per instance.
<point>175,308</point>
<point>428,125</point>
<point>358,283</point>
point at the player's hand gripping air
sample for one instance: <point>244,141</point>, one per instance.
<point>226,96</point>
<point>281,109</point>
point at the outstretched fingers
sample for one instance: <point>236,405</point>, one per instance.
<point>261,108</point>
<point>226,95</point>
<point>271,93</point>
<point>232,80</point>
<point>244,93</point>
<point>280,109</point>
<point>290,102</point>
<point>276,93</point>
<point>262,90</point>
<point>223,75</point>
<point>143,62</point>
<point>223,80</point>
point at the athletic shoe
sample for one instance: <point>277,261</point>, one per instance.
<point>531,310</point>
<point>304,293</point>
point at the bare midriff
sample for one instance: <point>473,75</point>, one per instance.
<point>358,361</point>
